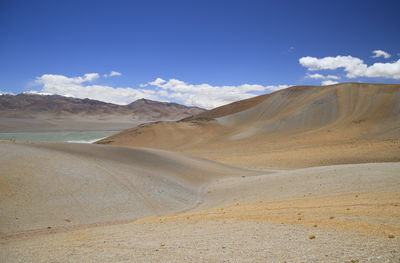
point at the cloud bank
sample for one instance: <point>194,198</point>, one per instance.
<point>320,76</point>
<point>201,95</point>
<point>354,67</point>
<point>206,95</point>
<point>80,87</point>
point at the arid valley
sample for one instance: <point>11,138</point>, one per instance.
<point>259,180</point>
<point>207,131</point>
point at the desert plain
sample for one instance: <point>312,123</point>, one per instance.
<point>305,174</point>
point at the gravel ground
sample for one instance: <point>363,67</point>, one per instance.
<point>347,213</point>
<point>210,241</point>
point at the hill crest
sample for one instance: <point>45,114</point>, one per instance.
<point>301,126</point>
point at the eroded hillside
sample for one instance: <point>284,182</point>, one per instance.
<point>301,126</point>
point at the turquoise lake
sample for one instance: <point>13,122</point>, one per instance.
<point>75,136</point>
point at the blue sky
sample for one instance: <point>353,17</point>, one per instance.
<point>200,52</point>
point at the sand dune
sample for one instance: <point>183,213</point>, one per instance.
<point>302,126</point>
<point>60,184</point>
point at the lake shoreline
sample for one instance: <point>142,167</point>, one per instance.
<point>57,136</point>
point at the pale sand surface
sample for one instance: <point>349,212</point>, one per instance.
<point>62,184</point>
<point>207,241</point>
<point>350,209</point>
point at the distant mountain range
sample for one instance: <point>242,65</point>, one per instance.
<point>48,112</point>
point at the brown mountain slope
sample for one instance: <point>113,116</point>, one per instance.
<point>300,126</point>
<point>145,109</point>
<point>37,112</point>
<point>230,108</point>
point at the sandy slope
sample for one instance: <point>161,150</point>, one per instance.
<point>351,210</point>
<point>60,184</point>
<point>301,126</point>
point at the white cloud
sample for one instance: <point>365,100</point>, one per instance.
<point>347,62</point>
<point>112,74</point>
<point>328,82</point>
<point>206,95</point>
<point>354,67</point>
<point>386,70</point>
<point>6,93</point>
<point>315,76</point>
<point>49,79</point>
<point>320,76</point>
<point>78,87</point>
<point>157,82</point>
<point>332,77</point>
<point>201,95</point>
<point>35,92</point>
<point>380,53</point>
